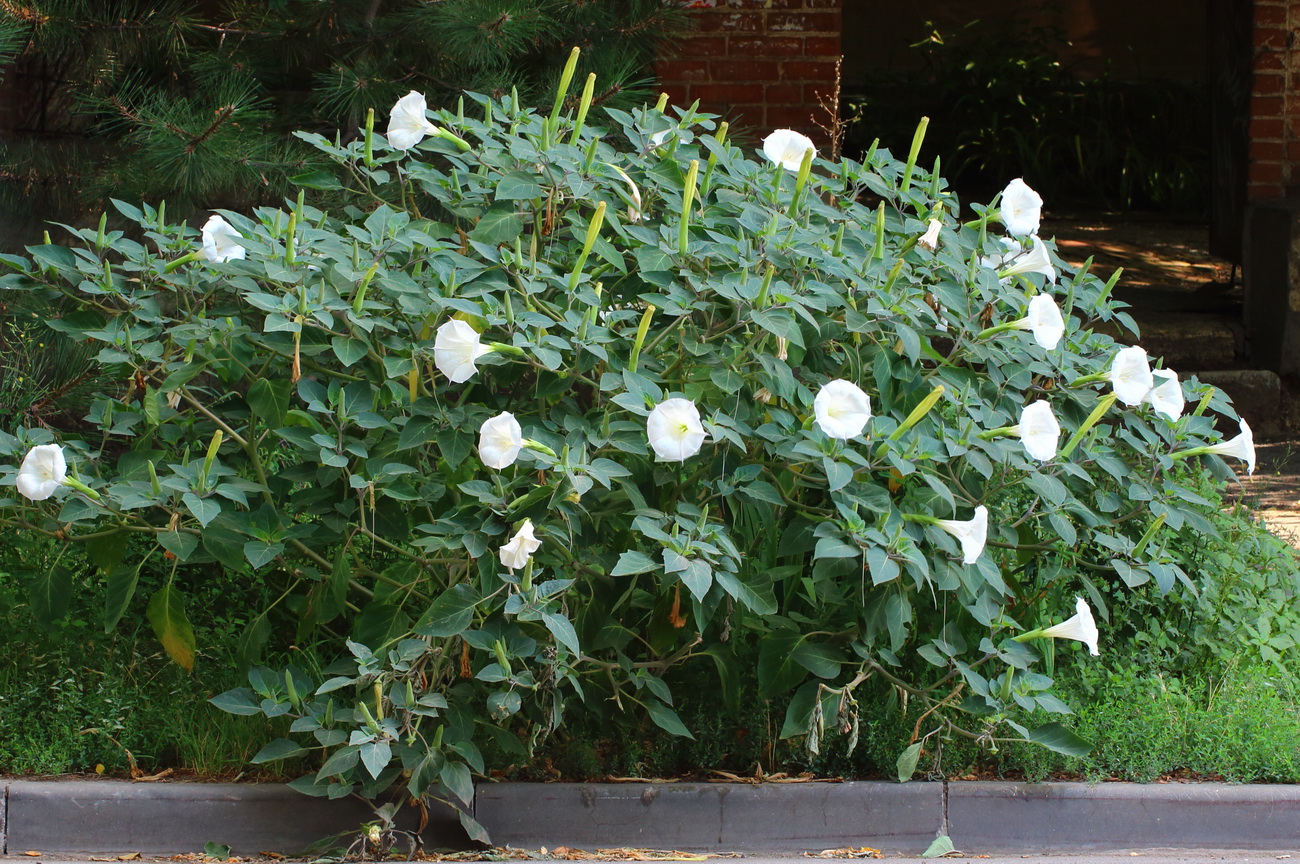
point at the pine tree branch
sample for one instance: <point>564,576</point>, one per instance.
<point>222,116</point>
<point>142,121</point>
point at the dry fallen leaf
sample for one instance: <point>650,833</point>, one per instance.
<point>32,854</point>
<point>846,852</point>
<point>130,856</point>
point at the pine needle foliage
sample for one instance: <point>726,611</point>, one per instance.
<point>193,101</point>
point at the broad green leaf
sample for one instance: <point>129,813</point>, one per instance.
<point>563,631</point>
<point>1056,737</point>
<point>166,613</point>
<point>666,718</point>
<point>907,760</point>
<point>120,589</point>
<point>106,552</point>
<point>375,755</point>
<point>269,399</point>
<point>456,777</point>
<point>942,845</point>
<point>632,563</point>
<point>49,594</point>
<point>501,224</point>
<point>204,509</point>
<point>280,748</point>
<point>777,669</point>
<point>180,543</point>
<point>349,351</point>
<point>518,186</point>
<point>241,700</point>
<point>450,613</point>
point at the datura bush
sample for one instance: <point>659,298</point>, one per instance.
<point>566,410</point>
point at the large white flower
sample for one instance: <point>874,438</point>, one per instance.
<point>842,409</point>
<point>1242,446</point>
<point>407,124</point>
<point>1037,260</point>
<point>930,239</point>
<point>675,431</point>
<point>1039,431</point>
<point>1022,208</point>
<point>1130,375</point>
<point>1167,396</point>
<point>500,439</point>
<point>1044,321</point>
<point>515,554</point>
<point>43,471</point>
<point>1081,627</point>
<point>971,533</point>
<point>221,241</point>
<point>787,147</point>
<point>455,349</point>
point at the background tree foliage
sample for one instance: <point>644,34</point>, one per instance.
<point>193,101</point>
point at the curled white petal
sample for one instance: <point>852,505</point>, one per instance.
<point>659,138</point>
<point>1044,321</point>
<point>1242,447</point>
<point>1039,431</point>
<point>675,431</point>
<point>515,554</point>
<point>500,439</point>
<point>1036,260</point>
<point>1021,208</point>
<point>42,472</point>
<point>1167,396</point>
<point>842,409</point>
<point>1130,375</point>
<point>407,124</point>
<point>930,239</point>
<point>455,349</point>
<point>1081,627</point>
<point>221,241</point>
<point>787,147</point>
<point>971,533</point>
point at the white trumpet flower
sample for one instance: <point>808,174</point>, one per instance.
<point>1082,627</point>
<point>500,439</point>
<point>220,241</point>
<point>1037,260</point>
<point>1130,375</point>
<point>455,349</point>
<point>515,554</point>
<point>1242,447</point>
<point>1021,208</point>
<point>842,409</point>
<point>43,471</point>
<point>971,533</point>
<point>1039,431</point>
<point>930,239</point>
<point>407,124</point>
<point>1044,321</point>
<point>1167,396</point>
<point>675,431</point>
<point>787,147</point>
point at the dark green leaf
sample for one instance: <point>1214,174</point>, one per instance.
<point>1056,737</point>
<point>49,594</point>
<point>666,718</point>
<point>166,613</point>
<point>280,748</point>
<point>450,613</point>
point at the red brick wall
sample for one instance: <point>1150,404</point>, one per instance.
<point>761,63</point>
<point>1274,129</point>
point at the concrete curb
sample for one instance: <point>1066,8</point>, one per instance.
<point>167,818</point>
<point>111,816</point>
